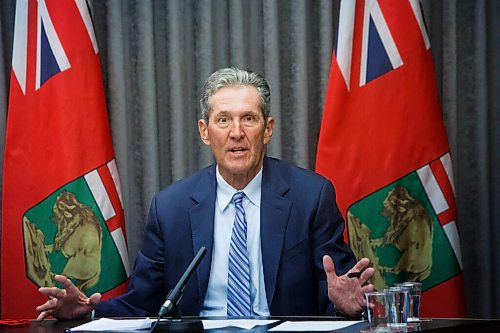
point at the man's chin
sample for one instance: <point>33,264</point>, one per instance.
<point>236,170</point>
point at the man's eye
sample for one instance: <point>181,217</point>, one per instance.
<point>249,118</point>
<point>222,120</point>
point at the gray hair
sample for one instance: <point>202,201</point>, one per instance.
<point>233,76</point>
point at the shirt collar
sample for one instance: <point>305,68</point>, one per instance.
<point>225,191</point>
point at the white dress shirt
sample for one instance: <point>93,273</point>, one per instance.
<point>215,303</point>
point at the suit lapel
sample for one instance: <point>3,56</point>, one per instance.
<point>201,217</point>
<point>275,211</point>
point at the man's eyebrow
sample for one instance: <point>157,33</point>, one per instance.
<point>220,112</point>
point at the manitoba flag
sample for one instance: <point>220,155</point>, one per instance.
<point>383,144</point>
<point>62,209</point>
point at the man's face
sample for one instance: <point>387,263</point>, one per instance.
<point>236,133</point>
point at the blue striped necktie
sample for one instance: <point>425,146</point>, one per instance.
<point>238,281</point>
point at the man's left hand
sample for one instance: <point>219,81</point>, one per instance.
<point>348,294</point>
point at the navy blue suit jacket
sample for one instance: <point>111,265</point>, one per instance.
<point>300,222</point>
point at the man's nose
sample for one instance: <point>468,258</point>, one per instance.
<point>236,129</point>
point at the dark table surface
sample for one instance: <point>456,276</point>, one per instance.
<point>431,325</point>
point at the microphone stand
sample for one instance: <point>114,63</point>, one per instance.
<point>177,324</point>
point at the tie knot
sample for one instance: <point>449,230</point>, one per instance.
<point>238,198</point>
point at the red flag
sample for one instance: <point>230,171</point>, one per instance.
<point>62,211</point>
<point>384,146</point>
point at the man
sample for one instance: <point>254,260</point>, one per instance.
<point>271,228</point>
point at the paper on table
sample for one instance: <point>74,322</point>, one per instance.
<point>106,324</point>
<point>301,326</point>
<point>240,323</point>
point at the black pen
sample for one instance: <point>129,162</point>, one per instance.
<point>354,274</point>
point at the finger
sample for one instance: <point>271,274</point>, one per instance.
<point>368,288</point>
<point>360,265</point>
<point>49,305</point>
<point>94,299</point>
<point>329,267</point>
<point>64,281</point>
<point>44,307</point>
<point>52,292</point>
<point>43,315</point>
<point>367,274</point>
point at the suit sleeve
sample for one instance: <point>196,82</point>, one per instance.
<point>328,236</point>
<point>146,291</point>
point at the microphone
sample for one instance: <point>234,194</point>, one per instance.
<point>175,295</point>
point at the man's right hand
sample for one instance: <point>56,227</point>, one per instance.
<point>66,303</point>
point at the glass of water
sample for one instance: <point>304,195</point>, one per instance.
<point>401,306</point>
<point>415,295</point>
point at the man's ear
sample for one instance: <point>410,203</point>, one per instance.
<point>203,129</point>
<point>268,131</point>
